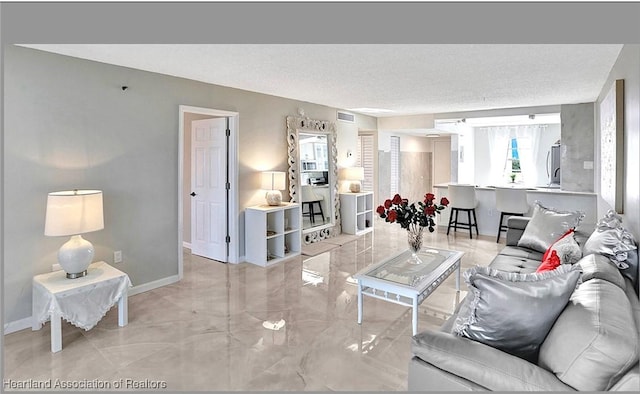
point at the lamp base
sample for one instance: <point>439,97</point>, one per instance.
<point>78,275</point>
<point>354,187</point>
<point>75,256</point>
<point>273,197</point>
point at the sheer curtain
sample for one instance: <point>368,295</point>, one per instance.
<point>499,137</point>
<point>528,141</point>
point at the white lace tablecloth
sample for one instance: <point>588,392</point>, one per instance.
<point>81,301</point>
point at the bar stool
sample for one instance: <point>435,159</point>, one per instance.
<point>510,202</point>
<point>309,198</point>
<point>463,198</point>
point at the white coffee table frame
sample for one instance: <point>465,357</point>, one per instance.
<point>407,295</point>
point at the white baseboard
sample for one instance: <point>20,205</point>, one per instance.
<point>25,323</point>
<point>153,285</point>
<point>186,245</point>
<point>17,325</point>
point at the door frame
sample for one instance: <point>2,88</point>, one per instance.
<point>232,159</point>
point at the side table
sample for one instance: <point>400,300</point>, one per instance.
<point>81,301</point>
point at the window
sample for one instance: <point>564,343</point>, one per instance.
<point>365,160</point>
<point>512,164</point>
<point>519,156</point>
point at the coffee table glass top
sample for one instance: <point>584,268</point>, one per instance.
<point>401,269</point>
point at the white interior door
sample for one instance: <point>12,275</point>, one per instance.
<point>208,185</point>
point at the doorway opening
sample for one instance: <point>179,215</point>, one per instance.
<point>229,226</point>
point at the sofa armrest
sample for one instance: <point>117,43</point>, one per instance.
<point>515,228</point>
<point>482,364</point>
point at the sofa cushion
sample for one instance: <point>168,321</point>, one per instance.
<point>514,312</point>
<point>521,253</point>
<point>595,340</point>
<point>482,364</point>
<point>546,226</point>
<point>515,228</point>
<point>518,265</point>
<point>597,266</point>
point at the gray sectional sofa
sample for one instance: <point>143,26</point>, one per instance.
<point>592,346</point>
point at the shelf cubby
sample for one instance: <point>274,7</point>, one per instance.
<point>356,212</point>
<point>272,233</point>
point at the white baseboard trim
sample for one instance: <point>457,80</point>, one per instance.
<point>25,323</point>
<point>186,245</point>
<point>17,325</point>
<point>153,285</point>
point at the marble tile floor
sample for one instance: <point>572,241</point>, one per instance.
<point>289,327</point>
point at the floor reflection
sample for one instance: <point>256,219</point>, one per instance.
<point>291,326</point>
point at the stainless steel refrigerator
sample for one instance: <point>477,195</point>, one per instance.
<point>553,165</point>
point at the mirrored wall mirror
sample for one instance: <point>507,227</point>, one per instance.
<point>313,176</point>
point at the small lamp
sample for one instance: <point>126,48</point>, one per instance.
<point>273,182</point>
<point>73,213</point>
<point>354,175</point>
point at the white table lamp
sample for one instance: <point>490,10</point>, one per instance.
<point>73,213</point>
<point>273,182</point>
<point>354,175</point>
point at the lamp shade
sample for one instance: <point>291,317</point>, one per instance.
<point>73,212</point>
<point>352,173</point>
<point>273,180</point>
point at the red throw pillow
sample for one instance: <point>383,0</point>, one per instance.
<point>550,259</point>
<point>550,263</point>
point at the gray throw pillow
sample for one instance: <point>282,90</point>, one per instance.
<point>619,246</point>
<point>514,312</point>
<point>547,225</point>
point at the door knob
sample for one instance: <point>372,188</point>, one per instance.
<point>193,194</point>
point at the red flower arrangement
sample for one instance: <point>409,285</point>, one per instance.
<point>421,213</point>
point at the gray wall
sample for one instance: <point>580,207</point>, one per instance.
<point>68,124</point>
<point>627,67</point>
<point>416,164</point>
<point>415,179</point>
<point>578,132</point>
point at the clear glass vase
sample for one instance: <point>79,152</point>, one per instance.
<point>414,239</point>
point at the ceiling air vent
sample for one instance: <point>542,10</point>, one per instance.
<point>346,117</point>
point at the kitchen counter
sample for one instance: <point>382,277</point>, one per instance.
<point>538,189</point>
<point>488,216</point>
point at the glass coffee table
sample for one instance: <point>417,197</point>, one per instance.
<point>401,281</point>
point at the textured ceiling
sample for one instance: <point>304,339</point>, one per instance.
<point>405,79</point>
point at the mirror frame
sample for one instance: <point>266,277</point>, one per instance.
<point>305,125</point>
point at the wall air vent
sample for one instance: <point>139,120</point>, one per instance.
<point>346,117</point>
